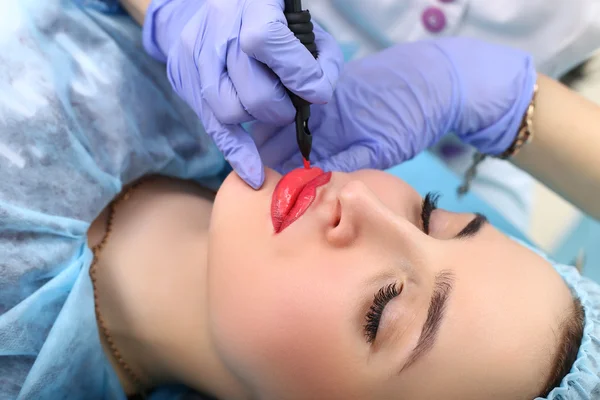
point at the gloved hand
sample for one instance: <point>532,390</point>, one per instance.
<point>228,59</point>
<point>389,107</point>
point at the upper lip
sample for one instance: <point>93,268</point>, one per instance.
<point>298,184</point>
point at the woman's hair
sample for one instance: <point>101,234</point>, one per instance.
<point>569,340</point>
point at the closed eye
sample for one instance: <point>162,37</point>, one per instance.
<point>429,205</point>
<point>472,227</point>
<point>373,316</point>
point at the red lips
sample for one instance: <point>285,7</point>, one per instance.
<point>294,194</point>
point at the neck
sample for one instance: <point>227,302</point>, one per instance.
<point>173,344</point>
<point>155,308</point>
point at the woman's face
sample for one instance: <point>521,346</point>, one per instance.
<point>459,318</point>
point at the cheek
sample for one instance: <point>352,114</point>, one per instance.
<point>396,194</point>
<point>284,330</point>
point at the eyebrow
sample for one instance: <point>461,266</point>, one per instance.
<point>442,289</point>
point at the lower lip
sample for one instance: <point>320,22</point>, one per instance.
<point>294,194</point>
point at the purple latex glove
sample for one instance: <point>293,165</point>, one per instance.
<point>231,61</point>
<point>389,107</point>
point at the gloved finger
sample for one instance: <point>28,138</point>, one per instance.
<point>352,159</point>
<point>239,150</point>
<point>292,163</point>
<point>276,147</point>
<point>218,90</point>
<point>259,90</point>
<point>331,57</point>
<point>266,37</point>
<point>237,147</point>
<point>261,132</point>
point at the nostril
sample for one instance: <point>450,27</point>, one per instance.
<point>337,214</point>
<point>342,231</point>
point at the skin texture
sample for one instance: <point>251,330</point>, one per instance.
<point>208,296</point>
<point>286,311</point>
<point>570,167</point>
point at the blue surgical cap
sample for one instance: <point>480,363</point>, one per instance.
<point>583,381</point>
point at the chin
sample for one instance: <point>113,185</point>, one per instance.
<point>239,211</point>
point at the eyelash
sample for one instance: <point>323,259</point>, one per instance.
<point>429,205</point>
<point>389,292</point>
<point>380,300</point>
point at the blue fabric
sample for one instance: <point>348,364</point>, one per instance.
<point>83,111</point>
<point>106,6</point>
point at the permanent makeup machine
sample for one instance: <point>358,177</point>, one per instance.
<point>299,22</point>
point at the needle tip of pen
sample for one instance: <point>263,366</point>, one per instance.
<point>306,163</point>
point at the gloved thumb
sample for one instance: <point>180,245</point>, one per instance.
<point>239,150</point>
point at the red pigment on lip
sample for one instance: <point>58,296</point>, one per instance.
<point>306,163</point>
<point>294,194</point>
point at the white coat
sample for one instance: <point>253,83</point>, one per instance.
<point>559,33</point>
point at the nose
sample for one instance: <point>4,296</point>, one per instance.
<point>363,218</point>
